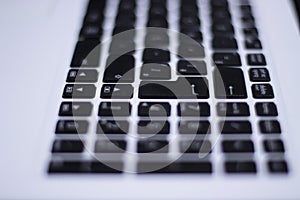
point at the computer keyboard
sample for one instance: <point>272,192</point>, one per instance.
<point>132,105</point>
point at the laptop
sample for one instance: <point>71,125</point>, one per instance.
<point>150,99</point>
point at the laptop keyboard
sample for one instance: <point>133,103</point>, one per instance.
<point>132,105</point>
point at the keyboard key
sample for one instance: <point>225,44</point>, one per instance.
<point>152,109</point>
<point>227,59</point>
<point>121,47</point>
<point>235,127</point>
<point>152,146</point>
<point>188,109</point>
<point>156,56</point>
<point>222,28</point>
<point>90,31</point>
<point>118,91</point>
<point>155,71</point>
<point>191,67</point>
<point>82,76</point>
<point>257,59</point>
<point>112,126</point>
<point>194,34</point>
<point>274,146</point>
<point>119,70</point>
<point>67,146</point>
<point>240,167</point>
<point>229,84</point>
<point>270,126</point>
<point>238,146</point>
<point>175,167</point>
<point>219,3</point>
<point>278,167</point>
<point>95,12</point>
<point>158,22</point>
<point>266,109</point>
<point>194,127</point>
<point>110,146</point>
<point>155,40</point>
<point>153,127</point>
<point>224,43</point>
<point>233,109</point>
<point>71,126</point>
<point>250,32</point>
<point>253,43</point>
<point>259,75</point>
<point>188,49</point>
<point>114,109</point>
<point>86,54</point>
<point>187,21</point>
<point>196,146</point>
<point>79,91</point>
<point>75,109</point>
<point>262,91</point>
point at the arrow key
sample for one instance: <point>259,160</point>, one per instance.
<point>116,91</point>
<point>75,109</point>
<point>79,91</point>
<point>85,76</point>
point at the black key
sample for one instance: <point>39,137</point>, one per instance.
<point>130,31</point>
<point>266,109</point>
<point>127,5</point>
<point>79,91</point>
<point>153,127</point>
<point>224,43</point>
<point>240,167</point>
<point>194,127</point>
<point>235,127</point>
<point>158,22</point>
<point>246,10</point>
<point>220,14</point>
<point>259,75</point>
<point>155,71</point>
<point>121,47</point>
<point>152,146</point>
<point>112,126</point>
<point>95,12</point>
<point>67,146</point>
<point>119,70</point>
<point>196,146</point>
<point>118,91</point>
<point>110,146</point>
<point>233,109</point>
<point>154,40</point>
<point>274,146</point>
<point>229,84</point>
<point>86,54</point>
<point>219,3</point>
<point>270,126</point>
<point>82,76</point>
<point>190,50</point>
<point>175,167</point>
<point>191,67</point>
<point>75,109</point>
<point>71,126</point>
<point>186,21</point>
<point>158,10</point>
<point>114,109</point>
<point>253,43</point>
<point>238,146</point>
<point>251,32</point>
<point>84,167</point>
<point>278,167</point>
<point>156,56</point>
<point>248,21</point>
<point>90,31</point>
<point>256,59</point>
<point>222,28</point>
<point>193,109</point>
<point>183,88</point>
<point>125,19</point>
<point>227,59</point>
<point>193,33</point>
<point>262,91</point>
<point>147,109</point>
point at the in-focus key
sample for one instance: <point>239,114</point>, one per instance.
<point>116,91</point>
<point>79,91</point>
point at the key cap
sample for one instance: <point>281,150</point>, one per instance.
<point>128,35</point>
<point>190,50</point>
<point>79,91</point>
<point>250,32</point>
<point>256,59</point>
<point>222,28</point>
<point>112,126</point>
<point>219,3</point>
<point>186,21</point>
<point>71,126</point>
<point>90,31</point>
<point>158,22</point>
<point>188,109</point>
<point>259,75</point>
<point>110,146</point>
<point>118,91</point>
<point>251,43</point>
<point>155,71</point>
<point>94,12</point>
<point>147,109</point>
<point>183,88</point>
<point>153,127</point>
<point>220,15</point>
<point>193,33</point>
<point>240,167</point>
<point>196,146</point>
<point>262,91</point>
<point>125,19</point>
<point>119,70</point>
<point>278,167</point>
<point>224,43</point>
<point>67,146</point>
<point>152,146</point>
<point>75,109</point>
<point>114,109</point>
<point>156,56</point>
<point>155,40</point>
<point>121,47</point>
<point>235,127</point>
<point>175,167</point>
<point>270,126</point>
<point>229,84</point>
<point>82,76</point>
<point>266,109</point>
<point>238,146</point>
<point>158,10</point>
<point>86,54</point>
<point>274,146</point>
<point>227,59</point>
<point>233,109</point>
<point>194,127</point>
<point>191,67</point>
